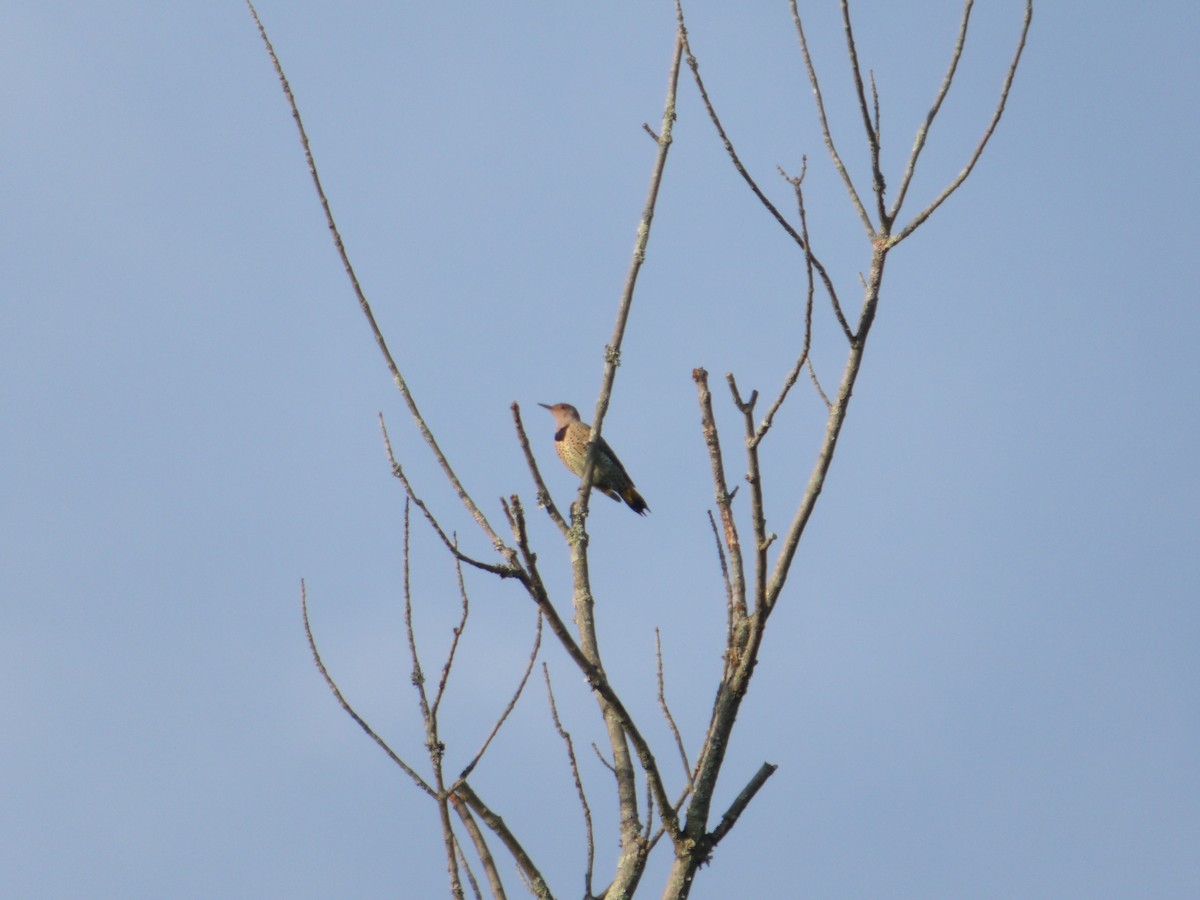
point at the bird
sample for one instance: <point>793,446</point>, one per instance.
<point>608,475</point>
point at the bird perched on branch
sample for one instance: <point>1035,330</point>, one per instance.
<point>571,438</point>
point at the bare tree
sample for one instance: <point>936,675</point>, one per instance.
<point>755,562</point>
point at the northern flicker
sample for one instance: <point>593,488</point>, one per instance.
<point>608,475</point>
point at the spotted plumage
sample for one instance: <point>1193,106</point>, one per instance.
<point>609,476</point>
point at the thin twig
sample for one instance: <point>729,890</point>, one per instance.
<point>512,702</point>
<point>800,240</point>
<point>504,571</point>
<point>579,791</point>
<point>983,141</point>
<point>737,573</point>
<point>543,492</point>
<point>433,743</point>
<point>612,352</point>
<point>458,630</point>
<point>875,102</point>
<point>825,132</point>
<point>923,132</point>
<point>817,384</point>
<point>466,865</point>
<point>878,184</point>
<point>337,693</point>
<point>683,795</point>
<point>724,567</point>
<point>418,675</point>
<point>603,761</point>
<point>740,803</point>
<point>794,374</point>
<point>365,306</point>
<point>666,709</point>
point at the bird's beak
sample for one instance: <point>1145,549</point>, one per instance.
<point>545,406</point>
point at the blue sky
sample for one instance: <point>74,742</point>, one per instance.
<point>982,680</point>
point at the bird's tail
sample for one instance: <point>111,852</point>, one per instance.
<point>635,501</point>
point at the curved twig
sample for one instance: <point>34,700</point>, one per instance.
<point>365,306</point>
<point>579,791</point>
<point>794,374</point>
<point>666,709</point>
<point>954,185</point>
<point>341,699</point>
<point>543,492</point>
<point>504,571</point>
<point>612,352</point>
<point>812,373</point>
<point>878,184</point>
<point>458,630</point>
<point>826,134</point>
<point>923,132</point>
<point>533,653</point>
<point>796,236</point>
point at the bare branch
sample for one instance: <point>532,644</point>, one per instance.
<point>433,743</point>
<point>801,240</point>
<point>983,141</point>
<point>923,132</point>
<point>649,826</point>
<point>833,428</point>
<point>794,374</point>
<point>449,841</point>
<point>579,791</point>
<point>466,865</point>
<point>875,103</point>
<point>612,352</point>
<point>481,848</point>
<point>754,479</point>
<point>506,571</point>
<point>543,492</point>
<point>418,676</point>
<point>593,672</point>
<point>458,630</point>
<point>724,567</point>
<point>603,760</point>
<point>666,710</point>
<point>878,184</point>
<point>365,306</point>
<point>732,542</point>
<point>817,384</point>
<point>337,693</point>
<point>470,767</point>
<point>740,803</point>
<point>620,726</point>
<point>825,132</point>
<point>530,872</point>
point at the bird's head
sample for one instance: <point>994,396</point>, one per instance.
<point>564,413</point>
